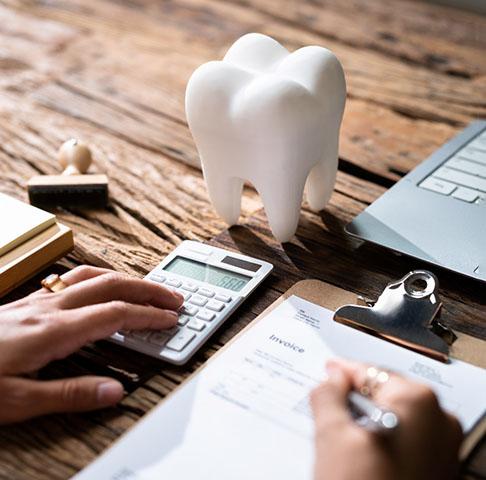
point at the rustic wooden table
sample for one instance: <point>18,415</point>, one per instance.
<point>113,73</point>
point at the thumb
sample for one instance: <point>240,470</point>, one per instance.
<point>23,398</point>
<point>329,399</point>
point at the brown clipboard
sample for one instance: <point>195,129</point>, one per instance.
<point>466,348</point>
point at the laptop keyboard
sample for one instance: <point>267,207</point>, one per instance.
<point>463,176</point>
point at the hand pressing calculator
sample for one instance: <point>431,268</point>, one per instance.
<point>214,283</point>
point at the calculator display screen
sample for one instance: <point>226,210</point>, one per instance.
<point>207,273</point>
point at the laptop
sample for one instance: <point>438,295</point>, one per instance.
<point>437,212</point>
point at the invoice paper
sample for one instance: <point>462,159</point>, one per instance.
<point>247,415</point>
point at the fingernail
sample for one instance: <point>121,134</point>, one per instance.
<point>173,314</point>
<point>109,393</point>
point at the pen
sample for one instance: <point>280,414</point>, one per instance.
<point>370,416</point>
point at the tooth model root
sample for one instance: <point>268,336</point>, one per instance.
<point>320,183</point>
<point>225,195</point>
<point>275,193</point>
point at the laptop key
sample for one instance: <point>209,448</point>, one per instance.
<point>481,200</point>
<point>437,185</point>
<point>461,178</point>
<point>473,154</point>
<point>479,143</point>
<point>466,194</point>
<point>466,166</point>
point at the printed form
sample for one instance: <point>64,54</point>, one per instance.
<point>247,415</point>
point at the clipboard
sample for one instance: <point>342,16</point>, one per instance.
<point>463,347</point>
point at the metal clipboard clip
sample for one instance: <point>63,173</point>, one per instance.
<point>406,313</point>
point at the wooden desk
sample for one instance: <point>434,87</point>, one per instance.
<point>114,74</point>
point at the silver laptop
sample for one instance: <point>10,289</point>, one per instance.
<point>437,212</point>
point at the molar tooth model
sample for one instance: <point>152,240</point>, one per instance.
<point>270,117</point>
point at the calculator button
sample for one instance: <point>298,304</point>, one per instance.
<point>156,278</point>
<point>189,310</point>
<point>215,305</point>
<point>196,324</point>
<point>183,319</point>
<point>223,298</point>
<point>181,340</point>
<point>190,287</point>
<point>159,338</point>
<point>173,282</point>
<point>185,294</point>
<point>198,300</point>
<point>118,336</point>
<point>141,334</point>
<point>206,316</point>
<point>206,292</point>
<point>171,331</point>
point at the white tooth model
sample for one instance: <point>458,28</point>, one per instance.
<point>272,118</point>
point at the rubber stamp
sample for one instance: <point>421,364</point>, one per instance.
<point>74,187</point>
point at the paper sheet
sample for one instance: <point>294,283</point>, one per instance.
<point>246,415</point>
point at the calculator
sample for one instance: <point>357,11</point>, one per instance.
<point>214,283</point>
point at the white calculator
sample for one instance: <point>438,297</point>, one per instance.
<point>214,283</point>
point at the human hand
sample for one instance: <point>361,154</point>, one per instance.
<point>46,326</point>
<point>425,445</point>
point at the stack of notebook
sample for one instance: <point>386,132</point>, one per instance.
<point>30,240</point>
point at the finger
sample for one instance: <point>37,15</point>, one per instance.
<point>24,398</point>
<point>82,273</point>
<point>76,275</point>
<point>116,286</point>
<point>358,374</point>
<point>400,394</point>
<point>74,328</point>
<point>66,331</point>
<point>457,434</point>
<point>329,400</point>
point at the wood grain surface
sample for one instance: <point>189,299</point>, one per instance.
<point>113,73</point>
